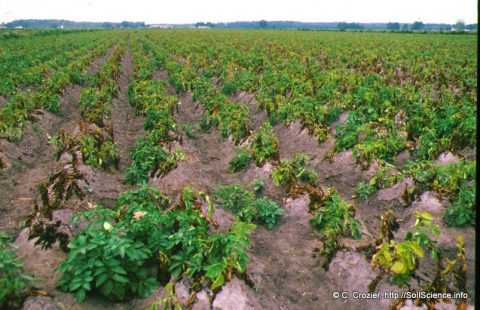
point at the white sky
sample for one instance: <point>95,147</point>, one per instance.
<point>191,11</point>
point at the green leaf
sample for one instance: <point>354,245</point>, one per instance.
<point>357,233</point>
<point>107,287</point>
<point>219,282</point>
<point>86,286</point>
<point>409,235</point>
<point>119,290</point>
<point>74,286</point>
<point>99,263</point>
<point>120,278</point>
<point>399,267</point>
<point>101,279</point>
<point>175,272</point>
<point>80,295</point>
<point>99,271</point>
<point>427,216</point>
<point>416,248</point>
<point>113,262</point>
<point>214,271</point>
<point>119,269</point>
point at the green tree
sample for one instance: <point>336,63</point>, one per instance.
<point>460,25</point>
<point>418,26</point>
<point>126,24</point>
<point>393,26</point>
<point>262,24</point>
<point>405,27</point>
<point>472,27</point>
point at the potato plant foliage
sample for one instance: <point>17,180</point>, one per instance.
<point>14,280</point>
<point>244,205</point>
<point>115,253</point>
<point>396,102</point>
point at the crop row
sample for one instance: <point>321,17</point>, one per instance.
<point>147,95</point>
<point>295,88</point>
<point>23,106</point>
<point>228,117</point>
<point>385,116</point>
<point>293,80</point>
<point>95,141</point>
<point>59,186</point>
<point>113,254</point>
<point>27,59</point>
<point>380,108</point>
<point>259,148</point>
<point>34,76</point>
<point>390,56</point>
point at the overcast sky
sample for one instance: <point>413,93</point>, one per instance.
<point>191,11</point>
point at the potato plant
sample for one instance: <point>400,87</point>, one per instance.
<point>27,66</point>
<point>21,107</point>
<point>246,207</point>
<point>402,259</point>
<point>150,157</point>
<point>456,182</point>
<point>402,93</point>
<point>114,258</point>
<point>289,172</point>
<point>228,117</point>
<point>336,217</point>
<point>260,147</point>
<point>14,280</point>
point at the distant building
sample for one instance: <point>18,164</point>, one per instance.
<point>203,27</point>
<point>160,26</point>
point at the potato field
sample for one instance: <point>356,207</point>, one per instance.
<point>237,169</point>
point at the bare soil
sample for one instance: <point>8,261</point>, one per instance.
<point>285,264</point>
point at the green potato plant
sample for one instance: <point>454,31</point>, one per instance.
<point>14,280</point>
<point>246,207</point>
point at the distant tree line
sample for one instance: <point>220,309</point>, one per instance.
<point>202,24</point>
<point>277,25</point>
<point>418,26</point>
<point>341,25</point>
<point>263,24</point>
<point>133,24</point>
<point>393,26</point>
<point>56,23</point>
<point>345,26</point>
